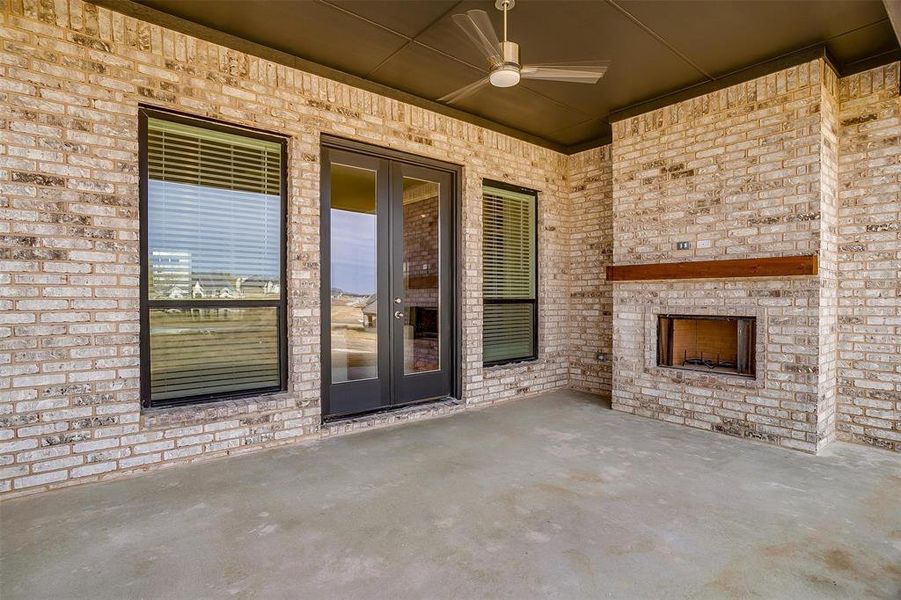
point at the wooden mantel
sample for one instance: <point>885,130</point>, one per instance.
<point>779,266</point>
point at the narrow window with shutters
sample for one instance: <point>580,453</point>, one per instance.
<point>509,275</point>
<point>213,290</point>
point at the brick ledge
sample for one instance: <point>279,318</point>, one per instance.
<point>217,411</point>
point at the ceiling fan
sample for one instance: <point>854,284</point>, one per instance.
<point>503,58</point>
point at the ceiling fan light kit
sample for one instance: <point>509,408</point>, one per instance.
<point>505,70</point>
<point>504,76</point>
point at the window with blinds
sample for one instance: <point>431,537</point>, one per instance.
<point>509,275</point>
<point>212,225</point>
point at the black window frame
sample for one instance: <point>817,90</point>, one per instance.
<point>281,304</point>
<point>533,301</point>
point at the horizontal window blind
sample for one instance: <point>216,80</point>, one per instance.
<point>507,332</point>
<point>509,275</point>
<point>206,351</point>
<point>508,244</point>
<point>186,154</point>
<point>208,243</point>
<point>214,225</point>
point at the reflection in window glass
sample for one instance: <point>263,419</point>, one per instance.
<point>421,276</point>
<point>205,351</point>
<point>214,211</point>
<point>354,301</point>
<point>210,243</point>
<point>214,237</point>
<point>509,275</point>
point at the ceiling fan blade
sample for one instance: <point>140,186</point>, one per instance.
<point>477,26</point>
<point>463,91</point>
<point>573,72</point>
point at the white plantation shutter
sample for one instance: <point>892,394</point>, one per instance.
<point>214,241</point>
<point>509,274</point>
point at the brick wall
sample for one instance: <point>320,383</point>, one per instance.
<point>751,170</point>
<point>590,328</point>
<point>828,259</point>
<point>797,162</point>
<point>869,293</point>
<point>737,173</point>
<point>71,78</point>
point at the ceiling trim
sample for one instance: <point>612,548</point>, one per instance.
<point>893,9</point>
<point>168,21</point>
<point>761,69</point>
<point>589,144</point>
<point>871,62</point>
<point>735,78</point>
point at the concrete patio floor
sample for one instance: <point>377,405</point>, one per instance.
<point>553,496</point>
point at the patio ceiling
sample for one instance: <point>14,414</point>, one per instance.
<point>658,48</point>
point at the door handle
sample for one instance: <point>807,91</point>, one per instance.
<point>398,314</point>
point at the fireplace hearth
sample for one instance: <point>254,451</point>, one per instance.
<point>713,344</point>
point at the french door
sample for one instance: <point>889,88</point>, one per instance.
<point>388,282</point>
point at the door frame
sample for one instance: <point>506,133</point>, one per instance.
<point>330,142</point>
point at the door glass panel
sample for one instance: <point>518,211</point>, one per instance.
<point>354,301</point>
<point>420,260</point>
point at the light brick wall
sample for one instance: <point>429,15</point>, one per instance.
<point>796,162</point>
<point>869,294</point>
<point>828,260</point>
<point>71,78</point>
<point>737,173</point>
<point>590,328</point>
<point>751,170</point>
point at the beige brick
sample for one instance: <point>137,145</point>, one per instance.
<point>753,176</point>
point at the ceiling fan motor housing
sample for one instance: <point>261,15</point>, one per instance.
<point>510,52</point>
<point>507,73</point>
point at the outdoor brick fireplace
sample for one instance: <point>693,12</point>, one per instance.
<point>713,344</point>
<point>723,261</point>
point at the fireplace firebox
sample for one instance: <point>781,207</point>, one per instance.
<point>714,344</point>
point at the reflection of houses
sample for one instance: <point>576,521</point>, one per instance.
<point>233,292</point>
<point>371,309</point>
<point>170,271</point>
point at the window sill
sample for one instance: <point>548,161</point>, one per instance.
<point>196,414</point>
<point>526,362</point>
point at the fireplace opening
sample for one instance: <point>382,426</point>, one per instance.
<point>715,344</point>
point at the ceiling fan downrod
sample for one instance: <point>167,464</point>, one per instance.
<point>504,5</point>
<point>507,73</point>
